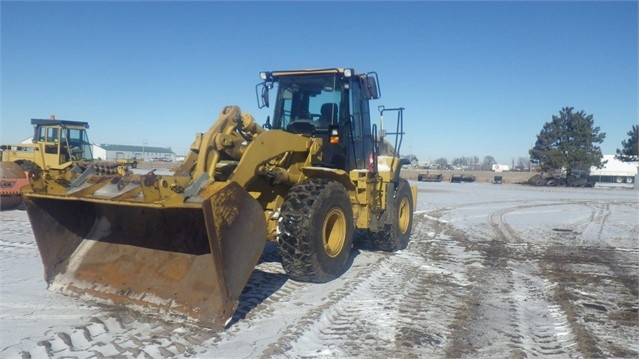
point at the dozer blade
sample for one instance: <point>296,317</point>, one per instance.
<point>191,261</point>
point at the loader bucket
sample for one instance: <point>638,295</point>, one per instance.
<point>192,260</point>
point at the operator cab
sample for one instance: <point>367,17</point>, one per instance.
<point>67,139</point>
<point>308,104</point>
<point>331,104</point>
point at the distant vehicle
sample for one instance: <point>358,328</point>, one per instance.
<point>614,173</point>
<point>458,178</point>
<point>410,161</point>
<point>498,179</point>
<point>429,177</point>
<point>500,168</point>
<point>131,162</point>
<point>577,178</point>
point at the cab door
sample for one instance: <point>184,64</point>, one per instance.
<point>360,126</point>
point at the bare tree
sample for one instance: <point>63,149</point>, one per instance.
<point>442,162</point>
<point>488,163</point>
<point>523,163</point>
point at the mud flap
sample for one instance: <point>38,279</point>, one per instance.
<point>190,261</point>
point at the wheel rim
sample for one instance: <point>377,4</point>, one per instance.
<point>334,232</point>
<point>404,215</point>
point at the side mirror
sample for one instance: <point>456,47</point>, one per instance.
<point>371,90</point>
<point>261,92</point>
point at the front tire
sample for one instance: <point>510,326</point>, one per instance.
<point>316,231</point>
<point>394,236</point>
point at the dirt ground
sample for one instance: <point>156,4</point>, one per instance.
<point>492,271</point>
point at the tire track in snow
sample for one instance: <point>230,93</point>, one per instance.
<point>541,325</point>
<point>402,308</point>
<point>596,283</point>
<point>112,336</point>
<point>18,248</point>
<point>549,278</point>
<point>508,303</point>
<point>16,238</point>
<point>445,286</point>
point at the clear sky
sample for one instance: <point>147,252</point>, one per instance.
<point>476,78</point>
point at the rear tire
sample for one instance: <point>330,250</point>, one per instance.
<point>316,231</point>
<point>395,236</point>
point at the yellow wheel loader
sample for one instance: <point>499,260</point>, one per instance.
<point>187,243</point>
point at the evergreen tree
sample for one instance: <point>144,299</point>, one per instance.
<point>629,148</point>
<point>569,141</point>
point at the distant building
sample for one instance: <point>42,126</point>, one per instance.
<point>141,153</point>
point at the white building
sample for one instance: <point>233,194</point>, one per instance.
<point>141,153</point>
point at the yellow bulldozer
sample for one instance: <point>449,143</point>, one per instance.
<point>186,243</point>
<point>58,145</point>
<point>55,144</point>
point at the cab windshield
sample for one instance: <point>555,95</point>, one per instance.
<point>307,103</point>
<point>79,145</point>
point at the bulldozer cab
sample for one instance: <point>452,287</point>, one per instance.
<point>67,140</point>
<point>54,145</point>
<point>331,104</point>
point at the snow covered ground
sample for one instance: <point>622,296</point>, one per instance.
<point>491,271</point>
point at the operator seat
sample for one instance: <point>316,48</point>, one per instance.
<point>328,115</point>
